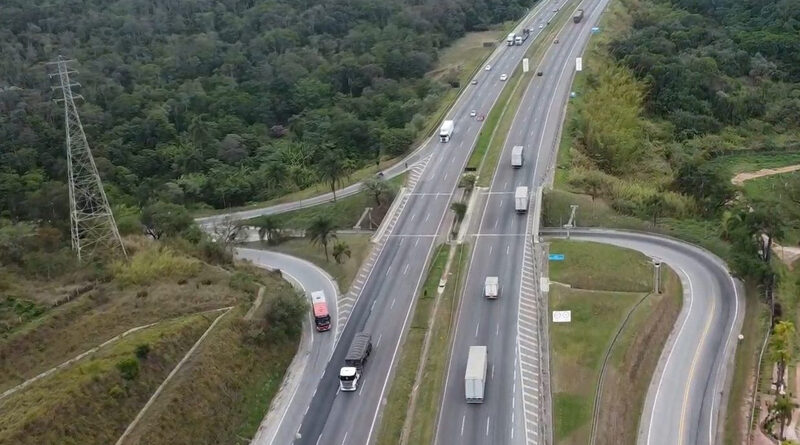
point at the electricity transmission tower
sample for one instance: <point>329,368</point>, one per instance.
<point>92,224</point>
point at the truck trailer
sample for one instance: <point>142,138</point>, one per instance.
<point>319,307</point>
<point>446,131</point>
<point>491,288</point>
<point>516,156</point>
<point>354,361</point>
<point>578,16</point>
<point>521,199</point>
<point>510,39</point>
<point>519,39</point>
<point>475,377</point>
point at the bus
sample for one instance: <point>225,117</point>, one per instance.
<point>322,319</point>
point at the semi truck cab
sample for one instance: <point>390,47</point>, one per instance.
<point>354,362</point>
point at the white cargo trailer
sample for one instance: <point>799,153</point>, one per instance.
<point>516,156</point>
<point>510,39</point>
<point>521,199</point>
<point>446,131</point>
<point>475,377</point>
<point>491,288</point>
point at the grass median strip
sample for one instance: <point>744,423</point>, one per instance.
<point>429,320</point>
<point>610,309</point>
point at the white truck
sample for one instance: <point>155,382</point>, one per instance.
<point>475,377</point>
<point>491,288</point>
<point>516,156</point>
<point>510,39</point>
<point>521,199</point>
<point>519,39</point>
<point>446,131</point>
<point>354,361</point>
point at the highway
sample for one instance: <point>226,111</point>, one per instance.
<point>384,305</point>
<point>685,400</point>
<point>513,411</point>
<point>286,411</point>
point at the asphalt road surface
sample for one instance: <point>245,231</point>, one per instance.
<point>512,411</point>
<point>288,409</point>
<point>385,303</point>
<point>685,400</point>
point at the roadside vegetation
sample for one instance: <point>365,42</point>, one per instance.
<point>675,99</point>
<point>174,283</point>
<point>617,322</point>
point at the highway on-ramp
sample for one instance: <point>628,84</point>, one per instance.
<point>287,409</point>
<point>687,394</point>
<point>401,254</point>
<point>514,410</point>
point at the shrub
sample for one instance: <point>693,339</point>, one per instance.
<point>142,351</point>
<point>128,368</point>
<point>116,392</point>
<point>284,314</point>
<point>243,281</point>
<point>152,264</point>
<point>214,253</point>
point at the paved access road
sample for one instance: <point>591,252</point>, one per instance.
<point>514,410</point>
<point>385,302</point>
<point>315,350</point>
<point>685,400</point>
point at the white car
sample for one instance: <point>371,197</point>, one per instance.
<point>473,113</point>
<point>541,26</point>
<point>503,77</point>
<point>488,68</point>
<point>474,81</point>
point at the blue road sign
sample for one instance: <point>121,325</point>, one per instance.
<point>556,257</point>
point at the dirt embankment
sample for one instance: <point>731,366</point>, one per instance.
<point>746,176</point>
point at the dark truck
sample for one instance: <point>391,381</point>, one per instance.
<point>354,361</point>
<point>578,16</point>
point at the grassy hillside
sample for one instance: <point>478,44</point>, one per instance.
<point>233,374</point>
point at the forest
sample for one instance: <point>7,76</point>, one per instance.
<point>678,97</point>
<point>218,103</point>
<point>678,86</point>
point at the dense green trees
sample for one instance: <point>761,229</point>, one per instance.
<point>715,64</point>
<point>218,103</point>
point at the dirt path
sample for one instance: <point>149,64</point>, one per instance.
<point>746,176</point>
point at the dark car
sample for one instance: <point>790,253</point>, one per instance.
<point>539,73</point>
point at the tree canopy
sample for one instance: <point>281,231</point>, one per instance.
<point>218,102</point>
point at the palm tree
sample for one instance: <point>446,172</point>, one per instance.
<point>331,169</point>
<point>377,188</point>
<point>322,231</point>
<point>341,250</point>
<point>267,228</point>
<point>460,210</point>
<point>782,412</point>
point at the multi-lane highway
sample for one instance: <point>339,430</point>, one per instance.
<point>684,403</point>
<point>513,409</point>
<point>386,300</point>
